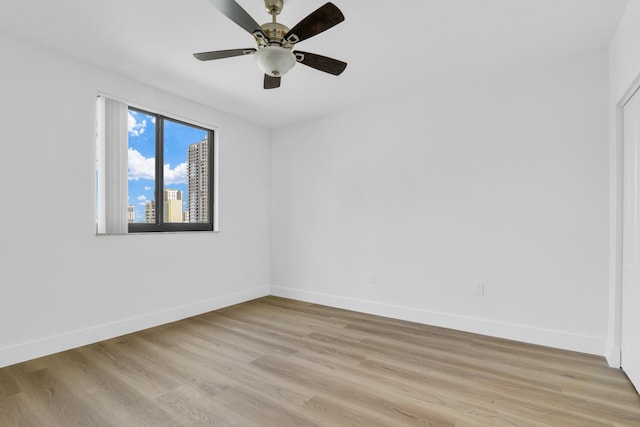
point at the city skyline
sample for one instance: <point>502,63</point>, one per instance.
<point>142,153</point>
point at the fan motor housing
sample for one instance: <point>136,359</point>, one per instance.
<point>275,31</point>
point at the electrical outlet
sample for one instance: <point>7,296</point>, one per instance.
<point>372,278</point>
<point>478,289</point>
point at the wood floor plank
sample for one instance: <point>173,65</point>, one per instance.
<point>16,410</point>
<point>279,362</point>
<point>8,385</point>
<point>384,400</point>
<point>58,405</point>
<point>465,399</point>
<point>236,373</point>
<point>263,411</point>
<point>334,412</point>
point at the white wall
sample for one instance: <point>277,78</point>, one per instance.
<point>62,285</point>
<point>502,181</point>
<point>624,78</point>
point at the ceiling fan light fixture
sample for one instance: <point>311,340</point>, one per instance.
<point>275,61</point>
<point>275,42</point>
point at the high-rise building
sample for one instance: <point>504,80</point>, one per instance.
<point>172,205</point>
<point>150,212</point>
<point>131,214</point>
<point>198,171</point>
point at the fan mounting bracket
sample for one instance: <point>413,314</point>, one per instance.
<point>274,7</point>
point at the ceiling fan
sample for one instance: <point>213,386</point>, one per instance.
<point>275,42</point>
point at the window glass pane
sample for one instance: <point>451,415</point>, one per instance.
<point>186,173</point>
<point>141,168</point>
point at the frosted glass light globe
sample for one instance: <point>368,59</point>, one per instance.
<point>275,60</point>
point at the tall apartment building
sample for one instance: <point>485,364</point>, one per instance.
<point>150,212</point>
<point>172,205</point>
<point>198,191</point>
<point>131,214</point>
<point>198,172</point>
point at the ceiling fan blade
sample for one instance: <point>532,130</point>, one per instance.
<point>219,54</point>
<point>319,62</point>
<point>237,14</point>
<point>322,19</point>
<point>271,82</point>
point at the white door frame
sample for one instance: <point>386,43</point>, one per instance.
<point>614,341</point>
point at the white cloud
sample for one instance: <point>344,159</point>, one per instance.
<point>147,188</point>
<point>140,167</point>
<point>177,175</point>
<point>136,128</point>
<point>142,197</point>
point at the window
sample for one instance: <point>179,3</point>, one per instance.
<point>169,172</point>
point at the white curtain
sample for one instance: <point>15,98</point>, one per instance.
<point>112,166</point>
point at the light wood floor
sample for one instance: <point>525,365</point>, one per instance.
<point>278,362</point>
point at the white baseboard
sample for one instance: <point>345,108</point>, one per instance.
<point>28,350</point>
<point>523,333</point>
<point>612,353</point>
<point>631,366</point>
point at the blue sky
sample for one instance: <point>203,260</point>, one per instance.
<point>177,138</point>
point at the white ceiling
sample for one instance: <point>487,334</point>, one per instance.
<point>390,46</point>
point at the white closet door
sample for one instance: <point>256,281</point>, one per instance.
<point>631,243</point>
